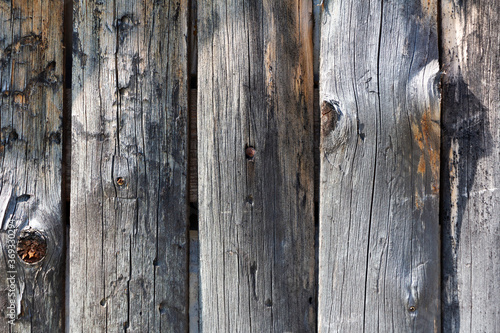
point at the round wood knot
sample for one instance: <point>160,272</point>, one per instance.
<point>250,152</point>
<point>329,116</point>
<point>31,246</point>
<point>412,309</point>
<point>120,181</point>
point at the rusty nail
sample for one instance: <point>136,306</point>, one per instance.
<point>250,152</point>
<point>31,246</point>
<point>412,308</point>
<point>120,181</point>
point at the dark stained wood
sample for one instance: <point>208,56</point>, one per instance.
<point>255,89</point>
<point>193,145</point>
<point>128,234</point>
<point>471,152</point>
<point>31,100</point>
<point>379,186</point>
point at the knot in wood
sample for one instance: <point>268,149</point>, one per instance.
<point>329,117</point>
<point>120,181</point>
<point>31,246</point>
<point>336,126</point>
<point>250,152</point>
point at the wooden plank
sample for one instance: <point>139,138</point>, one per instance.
<point>471,151</point>
<point>255,89</point>
<point>193,154</point>
<point>193,149</point>
<point>379,186</point>
<point>128,234</point>
<point>31,83</point>
<point>194,282</point>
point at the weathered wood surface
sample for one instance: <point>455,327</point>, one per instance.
<point>255,89</point>
<point>192,161</point>
<point>128,234</point>
<point>379,188</point>
<point>194,282</point>
<point>31,81</point>
<point>193,149</point>
<point>471,152</point>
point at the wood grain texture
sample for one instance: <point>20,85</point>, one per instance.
<point>128,234</point>
<point>193,149</point>
<point>379,185</point>
<point>194,282</point>
<point>193,153</point>
<point>255,89</point>
<point>471,151</point>
<point>31,100</point>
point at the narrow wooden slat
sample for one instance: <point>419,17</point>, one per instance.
<point>128,234</point>
<point>379,186</point>
<point>471,151</point>
<point>255,89</point>
<point>194,282</point>
<point>31,83</point>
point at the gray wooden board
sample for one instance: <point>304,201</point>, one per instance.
<point>31,101</point>
<point>379,255</point>
<point>194,282</point>
<point>255,88</point>
<point>128,233</point>
<point>193,146</point>
<point>471,156</point>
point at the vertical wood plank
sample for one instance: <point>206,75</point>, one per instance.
<point>194,282</point>
<point>379,186</point>
<point>128,234</point>
<point>471,151</point>
<point>255,89</point>
<point>31,83</point>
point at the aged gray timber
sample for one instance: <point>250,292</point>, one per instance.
<point>31,100</point>
<point>128,233</point>
<point>255,89</point>
<point>471,151</point>
<point>379,185</point>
